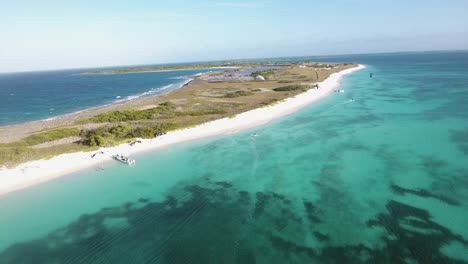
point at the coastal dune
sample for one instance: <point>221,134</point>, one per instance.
<point>35,172</point>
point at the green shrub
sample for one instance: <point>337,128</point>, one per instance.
<point>120,131</point>
<point>270,102</point>
<point>202,112</point>
<point>108,136</point>
<point>98,137</point>
<point>150,131</point>
<point>295,87</point>
<point>166,110</point>
<point>238,94</point>
<point>95,140</point>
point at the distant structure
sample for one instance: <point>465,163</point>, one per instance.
<point>260,78</point>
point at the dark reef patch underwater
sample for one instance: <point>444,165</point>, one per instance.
<point>216,223</point>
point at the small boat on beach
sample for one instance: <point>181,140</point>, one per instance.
<point>124,159</point>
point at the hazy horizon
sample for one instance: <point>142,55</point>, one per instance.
<point>237,59</point>
<point>52,35</point>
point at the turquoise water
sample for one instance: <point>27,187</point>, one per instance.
<point>378,174</point>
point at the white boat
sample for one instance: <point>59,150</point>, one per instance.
<point>124,159</point>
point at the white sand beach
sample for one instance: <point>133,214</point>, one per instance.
<point>35,172</point>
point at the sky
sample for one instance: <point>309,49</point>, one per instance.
<point>43,35</point>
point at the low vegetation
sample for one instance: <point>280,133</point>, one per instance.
<point>11,156</point>
<point>163,111</point>
<point>129,115</point>
<point>21,151</point>
<point>270,102</point>
<point>202,112</point>
<point>238,94</point>
<point>295,87</point>
<point>42,137</point>
<point>113,135</point>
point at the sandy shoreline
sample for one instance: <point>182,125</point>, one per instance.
<point>35,172</point>
<point>14,132</point>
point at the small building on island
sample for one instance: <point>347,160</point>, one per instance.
<point>259,78</point>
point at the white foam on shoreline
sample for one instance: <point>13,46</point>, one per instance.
<point>119,99</point>
<point>35,172</point>
<point>159,90</point>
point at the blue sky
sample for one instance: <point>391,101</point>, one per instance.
<point>39,35</point>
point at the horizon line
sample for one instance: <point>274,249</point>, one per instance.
<point>230,60</point>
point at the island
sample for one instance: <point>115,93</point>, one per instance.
<point>223,95</point>
<point>189,66</point>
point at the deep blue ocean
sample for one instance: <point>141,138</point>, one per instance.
<point>378,174</point>
<point>39,95</point>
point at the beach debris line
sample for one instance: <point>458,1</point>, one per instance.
<point>124,159</point>
<point>136,141</point>
<point>94,155</point>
